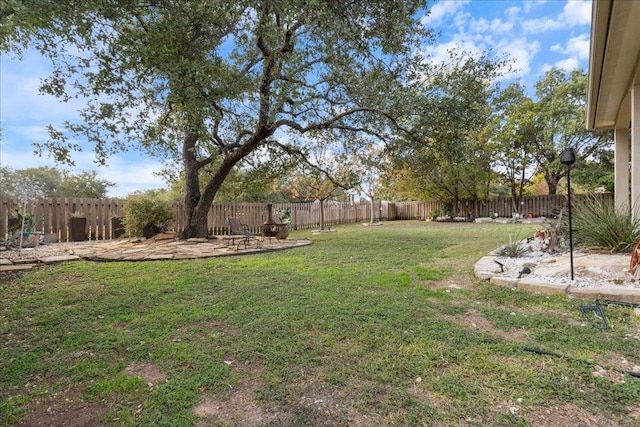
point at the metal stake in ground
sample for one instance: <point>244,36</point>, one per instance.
<point>568,158</point>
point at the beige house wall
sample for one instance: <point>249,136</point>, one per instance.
<point>613,99</point>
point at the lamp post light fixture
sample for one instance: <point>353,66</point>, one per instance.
<point>568,158</point>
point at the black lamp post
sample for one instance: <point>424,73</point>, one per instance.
<point>567,158</point>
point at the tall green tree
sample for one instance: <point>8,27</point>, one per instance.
<point>370,164</point>
<point>595,172</point>
<point>83,184</point>
<point>213,82</point>
<point>561,109</point>
<point>512,137</point>
<point>447,152</point>
<point>322,176</point>
<point>55,182</point>
<point>49,179</point>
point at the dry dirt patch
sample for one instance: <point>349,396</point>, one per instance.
<point>64,409</point>
<point>313,404</point>
<point>238,407</point>
<point>474,320</point>
<point>567,415</point>
<point>149,372</point>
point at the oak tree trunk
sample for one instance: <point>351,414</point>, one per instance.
<point>196,224</point>
<point>372,206</point>
<point>197,204</point>
<point>321,214</point>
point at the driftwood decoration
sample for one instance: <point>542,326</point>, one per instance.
<point>551,238</point>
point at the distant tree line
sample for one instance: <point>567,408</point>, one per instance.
<point>52,182</point>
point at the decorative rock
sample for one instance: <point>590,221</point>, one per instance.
<point>4,261</point>
<point>509,282</point>
<point>16,267</point>
<point>165,236</point>
<point>25,261</point>
<point>616,294</point>
<point>483,220</point>
<point>484,275</point>
<point>59,258</point>
<point>487,264</point>
<point>543,287</point>
<point>159,256</point>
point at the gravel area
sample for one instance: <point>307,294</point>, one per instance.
<point>44,250</point>
<point>590,269</point>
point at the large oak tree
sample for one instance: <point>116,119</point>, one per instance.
<point>559,123</point>
<point>445,155</point>
<point>214,82</point>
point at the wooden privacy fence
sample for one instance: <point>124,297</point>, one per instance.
<point>52,214</point>
<point>535,206</point>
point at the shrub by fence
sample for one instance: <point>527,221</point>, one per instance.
<point>52,214</point>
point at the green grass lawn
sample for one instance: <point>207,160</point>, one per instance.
<point>367,326</point>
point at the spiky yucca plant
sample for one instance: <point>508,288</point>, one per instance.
<point>599,223</point>
<point>513,249</point>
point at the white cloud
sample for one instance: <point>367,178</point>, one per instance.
<point>130,171</point>
<point>522,51</point>
<point>574,13</point>
<point>16,135</point>
<point>567,64</point>
<point>501,27</point>
<point>576,49</point>
<point>21,104</point>
<point>440,53</point>
<point>540,25</point>
<point>21,159</point>
<point>513,13</point>
<point>529,5</point>
<point>131,176</point>
<point>25,114</point>
<point>442,10</point>
<point>579,46</point>
<point>494,27</point>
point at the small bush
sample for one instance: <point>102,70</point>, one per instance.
<point>598,223</point>
<point>513,249</point>
<point>144,209</point>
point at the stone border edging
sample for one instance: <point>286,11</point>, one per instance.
<point>484,269</point>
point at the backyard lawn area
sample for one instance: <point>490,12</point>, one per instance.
<point>368,326</point>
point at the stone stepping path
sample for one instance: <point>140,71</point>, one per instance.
<point>161,247</point>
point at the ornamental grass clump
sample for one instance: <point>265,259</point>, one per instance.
<point>513,249</point>
<point>598,223</point>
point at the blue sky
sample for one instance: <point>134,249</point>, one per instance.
<point>535,34</point>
